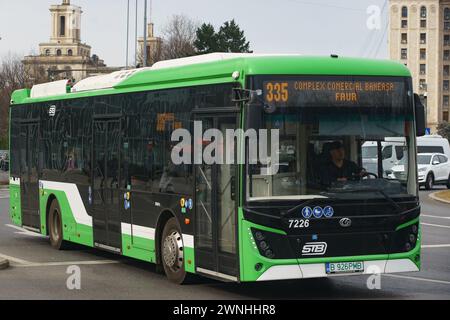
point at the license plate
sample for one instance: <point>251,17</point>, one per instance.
<point>344,267</point>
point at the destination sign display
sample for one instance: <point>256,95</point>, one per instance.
<point>336,92</point>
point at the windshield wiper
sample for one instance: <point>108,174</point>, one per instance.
<point>367,190</point>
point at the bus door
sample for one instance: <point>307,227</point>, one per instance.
<point>215,208</point>
<point>106,197</point>
<point>29,175</point>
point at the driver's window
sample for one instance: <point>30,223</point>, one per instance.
<point>387,152</point>
<point>399,150</point>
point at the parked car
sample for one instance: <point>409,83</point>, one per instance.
<point>434,168</point>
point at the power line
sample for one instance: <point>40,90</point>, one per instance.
<point>375,51</point>
<point>365,49</point>
<point>382,38</point>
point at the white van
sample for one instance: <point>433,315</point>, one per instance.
<point>433,144</point>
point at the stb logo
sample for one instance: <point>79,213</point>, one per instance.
<point>314,249</point>
<point>52,111</point>
<point>345,222</point>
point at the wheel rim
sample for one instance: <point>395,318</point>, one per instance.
<point>173,251</point>
<point>56,223</point>
<point>430,182</point>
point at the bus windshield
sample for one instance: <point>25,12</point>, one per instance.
<point>345,151</point>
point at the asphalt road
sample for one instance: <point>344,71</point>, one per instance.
<point>39,272</point>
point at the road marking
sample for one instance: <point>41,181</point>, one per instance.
<point>25,263</point>
<point>13,259</point>
<point>25,232</point>
<point>68,263</point>
<point>438,217</point>
<point>417,279</point>
<point>435,225</point>
<point>436,246</point>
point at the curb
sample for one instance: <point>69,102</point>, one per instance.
<point>4,264</point>
<point>435,197</point>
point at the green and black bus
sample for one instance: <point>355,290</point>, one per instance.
<point>90,163</point>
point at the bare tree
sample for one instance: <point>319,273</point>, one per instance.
<point>179,36</point>
<point>14,75</point>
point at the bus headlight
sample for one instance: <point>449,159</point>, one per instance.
<point>262,242</point>
<point>272,245</point>
<point>406,238</point>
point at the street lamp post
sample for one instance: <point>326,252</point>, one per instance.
<point>145,34</point>
<point>136,36</point>
<point>128,32</point>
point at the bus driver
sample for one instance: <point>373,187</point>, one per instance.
<point>339,169</point>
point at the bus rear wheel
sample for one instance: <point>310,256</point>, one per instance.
<point>172,252</point>
<point>55,228</point>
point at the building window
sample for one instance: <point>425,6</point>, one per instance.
<point>423,12</point>
<point>47,52</point>
<point>423,38</point>
<point>423,24</point>
<point>446,25</point>
<point>62,26</point>
<point>423,69</point>
<point>70,52</point>
<point>404,54</point>
<point>446,70</point>
<point>446,40</point>
<point>404,12</point>
<point>423,54</point>
<point>446,54</point>
<point>446,101</point>
<point>445,116</point>
<point>58,52</point>
<point>422,84</point>
<point>446,85</point>
<point>404,24</point>
<point>404,38</point>
<point>447,14</point>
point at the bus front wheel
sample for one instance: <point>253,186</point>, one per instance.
<point>429,183</point>
<point>172,254</point>
<point>55,226</point>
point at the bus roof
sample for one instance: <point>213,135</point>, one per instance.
<point>213,69</point>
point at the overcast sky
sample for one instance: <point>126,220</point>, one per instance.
<point>282,26</point>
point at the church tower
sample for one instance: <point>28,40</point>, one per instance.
<point>66,22</point>
<point>65,38</point>
<point>65,56</point>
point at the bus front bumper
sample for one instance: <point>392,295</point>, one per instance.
<point>318,270</point>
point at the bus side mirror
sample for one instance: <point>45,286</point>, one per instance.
<point>419,110</point>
